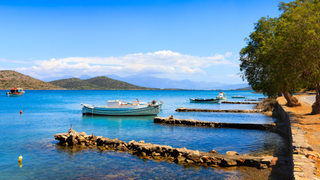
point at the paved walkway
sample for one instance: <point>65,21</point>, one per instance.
<point>309,123</point>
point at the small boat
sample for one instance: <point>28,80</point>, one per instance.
<point>203,100</point>
<point>122,108</point>
<point>238,96</point>
<point>15,92</point>
<point>221,96</point>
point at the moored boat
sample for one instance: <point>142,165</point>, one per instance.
<point>238,96</point>
<point>15,92</point>
<point>222,96</point>
<point>122,108</point>
<point>203,100</point>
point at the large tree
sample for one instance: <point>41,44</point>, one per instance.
<point>286,53</point>
<point>259,64</point>
<point>298,34</point>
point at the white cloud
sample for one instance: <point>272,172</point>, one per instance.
<point>233,75</point>
<point>159,62</point>
<point>228,54</point>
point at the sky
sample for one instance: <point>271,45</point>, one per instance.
<point>199,40</point>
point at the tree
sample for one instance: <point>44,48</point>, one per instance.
<point>259,63</point>
<point>298,33</point>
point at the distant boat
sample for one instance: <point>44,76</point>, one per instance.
<point>122,108</point>
<point>221,96</point>
<point>15,92</point>
<point>203,100</point>
<point>238,96</point>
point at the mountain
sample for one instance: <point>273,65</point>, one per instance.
<point>10,79</point>
<point>100,82</point>
<point>154,82</point>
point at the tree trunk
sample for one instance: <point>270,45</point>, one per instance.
<point>316,105</point>
<point>291,101</point>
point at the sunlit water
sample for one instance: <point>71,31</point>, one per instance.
<point>46,113</point>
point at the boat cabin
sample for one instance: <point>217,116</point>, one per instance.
<point>16,90</point>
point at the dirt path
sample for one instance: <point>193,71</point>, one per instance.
<point>309,123</point>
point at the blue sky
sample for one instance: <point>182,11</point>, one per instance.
<point>197,40</point>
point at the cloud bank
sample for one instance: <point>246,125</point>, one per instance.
<point>156,63</point>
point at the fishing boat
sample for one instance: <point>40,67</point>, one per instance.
<point>122,108</point>
<point>222,96</point>
<point>15,92</point>
<point>238,96</point>
<point>203,100</point>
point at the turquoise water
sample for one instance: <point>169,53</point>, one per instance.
<point>46,113</point>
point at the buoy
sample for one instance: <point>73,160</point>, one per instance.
<point>20,158</point>
<point>20,112</point>
<point>20,165</point>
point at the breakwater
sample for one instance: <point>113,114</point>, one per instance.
<point>163,152</point>
<point>183,109</point>
<point>192,122</point>
<point>237,102</point>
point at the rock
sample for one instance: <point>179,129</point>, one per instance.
<point>267,160</point>
<point>228,162</point>
<point>121,147</point>
<point>213,152</point>
<point>141,141</point>
<point>171,118</point>
<point>189,161</point>
<point>231,153</point>
<point>131,142</point>
<point>180,159</point>
<point>263,166</point>
<point>143,154</point>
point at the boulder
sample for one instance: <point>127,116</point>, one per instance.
<point>231,153</point>
<point>228,162</point>
<point>180,159</point>
<point>213,152</point>
<point>122,148</point>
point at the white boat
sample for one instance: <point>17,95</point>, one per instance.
<point>15,92</point>
<point>122,108</point>
<point>221,96</point>
<point>203,100</point>
<point>238,96</point>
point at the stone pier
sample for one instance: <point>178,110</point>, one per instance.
<point>192,122</point>
<point>163,152</point>
<point>183,109</point>
<point>238,102</point>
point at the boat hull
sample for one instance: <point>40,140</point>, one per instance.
<point>204,100</point>
<point>14,95</point>
<point>238,96</point>
<point>102,111</point>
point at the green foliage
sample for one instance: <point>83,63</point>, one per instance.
<point>282,54</point>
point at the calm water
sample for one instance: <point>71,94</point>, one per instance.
<point>46,113</point>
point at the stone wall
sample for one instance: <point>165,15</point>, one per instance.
<point>303,167</point>
<point>163,152</point>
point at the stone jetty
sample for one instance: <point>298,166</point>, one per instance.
<point>237,102</point>
<point>183,109</point>
<point>163,152</point>
<point>192,122</point>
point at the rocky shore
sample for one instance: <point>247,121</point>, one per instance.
<point>163,152</point>
<point>183,109</point>
<point>192,122</point>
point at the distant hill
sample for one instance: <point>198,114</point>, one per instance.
<point>154,82</point>
<point>245,88</point>
<point>10,79</point>
<point>100,82</point>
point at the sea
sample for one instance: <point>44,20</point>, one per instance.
<point>48,112</point>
